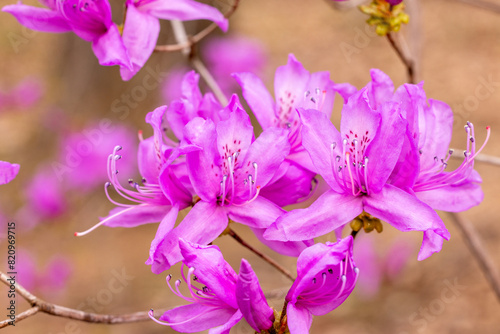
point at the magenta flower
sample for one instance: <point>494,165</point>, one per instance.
<point>224,299</point>
<point>24,95</point>
<point>90,20</point>
<point>326,276</point>
<point>8,172</point>
<point>191,104</point>
<point>421,167</point>
<point>227,168</point>
<point>161,194</point>
<point>294,88</point>
<point>357,163</point>
<point>142,26</point>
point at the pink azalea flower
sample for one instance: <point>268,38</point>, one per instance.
<point>295,88</point>
<point>326,276</point>
<point>227,168</point>
<point>142,26</point>
<point>357,163</point>
<point>422,165</point>
<point>8,172</point>
<point>90,20</point>
<point>224,299</point>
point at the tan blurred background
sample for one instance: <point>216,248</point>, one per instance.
<point>460,49</point>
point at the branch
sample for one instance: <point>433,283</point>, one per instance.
<point>262,255</point>
<point>489,159</point>
<point>181,37</point>
<point>405,57</point>
<point>198,37</point>
<point>39,305</point>
<point>492,7</point>
<point>475,245</point>
<point>24,315</point>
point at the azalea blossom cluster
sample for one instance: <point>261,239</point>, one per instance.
<point>388,163</point>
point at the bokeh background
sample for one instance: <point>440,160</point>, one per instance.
<point>67,94</point>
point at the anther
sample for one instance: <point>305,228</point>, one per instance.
<point>333,145</point>
<point>330,271</point>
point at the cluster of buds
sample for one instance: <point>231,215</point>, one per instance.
<point>385,15</point>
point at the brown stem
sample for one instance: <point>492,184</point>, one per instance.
<point>282,317</point>
<point>39,305</point>
<point>262,255</point>
<point>405,58</point>
<point>475,245</point>
<point>198,37</point>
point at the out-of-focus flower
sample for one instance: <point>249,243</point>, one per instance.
<point>8,171</point>
<point>22,96</point>
<point>142,26</point>
<point>83,155</point>
<point>90,20</point>
<point>161,194</point>
<point>375,267</point>
<point>326,276</point>
<point>50,280</point>
<point>224,299</point>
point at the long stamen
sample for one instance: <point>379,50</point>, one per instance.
<point>366,175</point>
<point>354,193</point>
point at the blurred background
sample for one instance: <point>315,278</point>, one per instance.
<point>61,114</point>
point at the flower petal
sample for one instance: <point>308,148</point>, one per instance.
<point>166,225</point>
<point>8,171</point>
<point>251,300</point>
<point>299,319</point>
<point>197,317</point>
<point>404,211</point>
<point>259,213</point>
<point>226,328</point>
<point>109,49</point>
<point>290,84</point>
<point>380,89</point>
<point>202,225</point>
<point>288,248</point>
<point>40,19</point>
<point>330,211</point>
<point>136,215</point>
<point>140,33</point>
<point>454,198</point>
<point>234,135</point>
<point>258,98</point>
<point>384,150</point>
<point>184,10</point>
<point>291,187</point>
<point>432,243</point>
<point>318,134</point>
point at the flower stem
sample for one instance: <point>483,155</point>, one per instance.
<point>261,255</point>
<point>39,305</point>
<point>474,243</point>
<point>405,58</point>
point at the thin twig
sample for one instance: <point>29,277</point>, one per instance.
<point>475,245</point>
<point>405,58</point>
<point>65,312</point>
<point>21,316</point>
<point>198,37</point>
<point>209,80</point>
<point>489,159</point>
<point>486,5</point>
<point>262,255</point>
<point>181,37</point>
